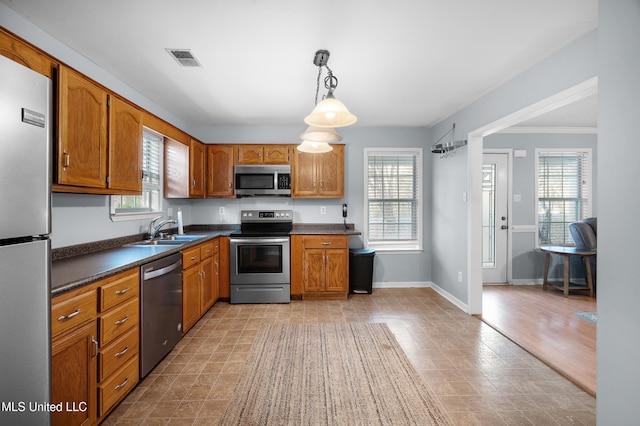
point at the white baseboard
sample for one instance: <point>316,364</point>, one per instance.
<point>527,281</point>
<point>451,298</point>
<point>403,284</point>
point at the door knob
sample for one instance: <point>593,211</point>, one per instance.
<point>504,227</point>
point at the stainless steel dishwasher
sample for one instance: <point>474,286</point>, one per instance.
<point>160,310</point>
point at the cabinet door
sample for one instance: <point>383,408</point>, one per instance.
<point>125,146</point>
<point>304,175</point>
<point>331,173</point>
<point>220,170</point>
<point>207,294</point>
<point>176,169</point>
<point>190,297</point>
<point>82,132</point>
<point>250,154</point>
<point>73,375</point>
<point>196,169</point>
<point>337,274</point>
<point>314,270</point>
<point>276,154</point>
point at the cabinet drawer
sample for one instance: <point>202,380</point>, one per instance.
<point>114,355</point>
<point>190,257</point>
<point>69,313</point>
<point>206,250</point>
<point>117,386</point>
<point>326,241</point>
<point>118,320</point>
<point>118,289</point>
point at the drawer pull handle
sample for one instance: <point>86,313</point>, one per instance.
<point>326,243</point>
<point>122,321</point>
<point>123,291</point>
<point>192,258</point>
<point>71,315</point>
<point>124,351</point>
<point>121,385</point>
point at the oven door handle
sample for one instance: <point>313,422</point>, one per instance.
<point>267,240</point>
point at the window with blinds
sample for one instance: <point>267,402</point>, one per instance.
<point>563,187</point>
<point>393,198</point>
<point>150,202</point>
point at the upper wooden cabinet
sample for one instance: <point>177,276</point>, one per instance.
<point>197,169</point>
<point>220,171</point>
<point>125,146</point>
<point>89,154</point>
<point>263,154</point>
<point>22,53</point>
<point>82,131</point>
<point>318,175</point>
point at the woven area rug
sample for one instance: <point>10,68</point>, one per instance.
<point>330,374</point>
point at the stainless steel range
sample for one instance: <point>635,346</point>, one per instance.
<point>259,257</point>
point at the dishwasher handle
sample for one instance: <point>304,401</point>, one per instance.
<point>153,273</point>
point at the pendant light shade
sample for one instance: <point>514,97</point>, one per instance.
<point>320,134</point>
<point>330,113</point>
<point>314,147</point>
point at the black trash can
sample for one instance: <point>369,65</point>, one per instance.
<point>361,270</point>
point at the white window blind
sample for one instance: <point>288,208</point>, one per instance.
<point>150,202</point>
<point>564,193</point>
<point>393,205</point>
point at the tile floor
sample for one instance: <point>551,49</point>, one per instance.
<point>480,377</point>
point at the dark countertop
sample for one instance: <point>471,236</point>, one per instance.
<point>75,271</point>
<point>80,265</point>
<point>324,229</point>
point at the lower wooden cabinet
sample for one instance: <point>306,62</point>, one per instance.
<point>95,345</point>
<point>320,266</point>
<point>199,281</point>
<point>73,375</point>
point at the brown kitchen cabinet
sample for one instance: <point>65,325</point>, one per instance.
<point>92,156</point>
<point>320,266</point>
<point>262,154</point>
<point>125,146</point>
<point>95,345</point>
<point>318,175</point>
<point>197,163</point>
<point>82,131</point>
<point>220,171</point>
<point>74,352</point>
<point>199,281</point>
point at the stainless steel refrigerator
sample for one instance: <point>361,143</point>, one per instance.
<point>25,248</point>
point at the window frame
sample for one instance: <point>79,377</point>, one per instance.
<point>117,215</point>
<point>587,186</point>
<point>402,246</point>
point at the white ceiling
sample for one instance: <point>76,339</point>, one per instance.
<point>399,62</point>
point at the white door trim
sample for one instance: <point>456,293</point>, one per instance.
<point>474,164</point>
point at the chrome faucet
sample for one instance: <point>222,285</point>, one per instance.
<point>153,230</point>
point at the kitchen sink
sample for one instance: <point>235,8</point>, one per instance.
<point>169,240</point>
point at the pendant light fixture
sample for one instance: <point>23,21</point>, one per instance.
<point>327,114</point>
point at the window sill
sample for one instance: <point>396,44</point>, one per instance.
<point>122,217</point>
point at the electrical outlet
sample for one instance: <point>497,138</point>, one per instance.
<point>221,211</point>
<point>170,211</point>
<point>323,210</point>
<point>459,276</point>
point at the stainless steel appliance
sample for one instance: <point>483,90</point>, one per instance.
<point>262,180</point>
<point>25,248</point>
<point>160,310</point>
<point>259,257</point>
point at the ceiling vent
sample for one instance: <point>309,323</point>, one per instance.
<point>184,57</point>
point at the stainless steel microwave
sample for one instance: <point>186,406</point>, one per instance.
<point>262,180</point>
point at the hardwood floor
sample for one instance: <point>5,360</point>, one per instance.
<point>543,323</point>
